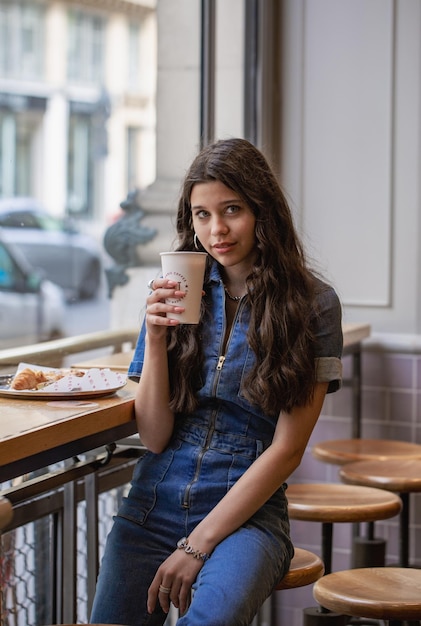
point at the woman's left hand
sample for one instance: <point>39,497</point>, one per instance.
<point>173,581</point>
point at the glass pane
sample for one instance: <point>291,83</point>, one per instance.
<point>78,124</point>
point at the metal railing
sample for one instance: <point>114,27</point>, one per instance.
<point>51,550</point>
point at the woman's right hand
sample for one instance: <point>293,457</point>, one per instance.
<point>157,309</point>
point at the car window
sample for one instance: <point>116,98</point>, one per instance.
<point>48,222</point>
<point>8,269</point>
<point>30,219</point>
<point>19,219</point>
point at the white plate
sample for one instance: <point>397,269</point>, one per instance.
<point>39,394</point>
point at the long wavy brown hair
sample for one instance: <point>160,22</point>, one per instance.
<point>280,289</point>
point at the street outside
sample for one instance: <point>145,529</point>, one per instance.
<point>88,316</point>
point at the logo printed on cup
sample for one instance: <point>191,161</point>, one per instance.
<point>182,285</point>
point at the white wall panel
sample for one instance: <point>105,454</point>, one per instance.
<point>348,143</point>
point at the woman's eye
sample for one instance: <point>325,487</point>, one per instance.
<point>233,208</point>
<point>201,214</point>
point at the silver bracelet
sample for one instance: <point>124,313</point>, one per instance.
<point>183,544</point>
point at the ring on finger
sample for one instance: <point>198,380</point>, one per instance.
<point>150,284</point>
<point>164,589</point>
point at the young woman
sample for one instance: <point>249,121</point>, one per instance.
<point>225,407</point>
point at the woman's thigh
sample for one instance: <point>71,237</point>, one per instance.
<point>130,561</point>
<point>237,579</point>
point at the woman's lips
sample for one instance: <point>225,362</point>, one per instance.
<point>222,247</point>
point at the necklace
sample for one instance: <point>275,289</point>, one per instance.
<point>231,297</point>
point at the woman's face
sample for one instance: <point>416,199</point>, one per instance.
<point>224,225</point>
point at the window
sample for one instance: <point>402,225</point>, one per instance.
<point>19,219</point>
<point>21,39</point>
<point>80,133</point>
<point>85,55</point>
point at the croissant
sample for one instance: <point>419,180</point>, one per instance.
<point>32,379</point>
<point>28,379</point>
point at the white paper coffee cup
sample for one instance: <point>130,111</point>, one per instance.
<point>188,270</point>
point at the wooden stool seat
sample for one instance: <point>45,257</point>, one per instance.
<point>401,476</point>
<point>341,451</point>
<point>391,593</point>
<point>398,475</point>
<point>306,567</point>
<point>333,502</point>
<point>330,503</point>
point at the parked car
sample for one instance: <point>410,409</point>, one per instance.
<point>67,257</point>
<point>32,308</point>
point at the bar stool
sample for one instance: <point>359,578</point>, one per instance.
<point>306,567</point>
<point>331,503</point>
<point>400,476</point>
<point>388,593</point>
<point>343,451</point>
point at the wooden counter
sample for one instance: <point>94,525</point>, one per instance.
<point>37,433</point>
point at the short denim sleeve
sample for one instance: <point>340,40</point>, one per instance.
<point>136,366</point>
<point>329,340</point>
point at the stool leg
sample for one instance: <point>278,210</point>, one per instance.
<point>319,616</point>
<point>404,531</point>
<point>327,539</point>
<point>315,617</point>
<point>368,551</point>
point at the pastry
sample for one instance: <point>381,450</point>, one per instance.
<point>28,378</point>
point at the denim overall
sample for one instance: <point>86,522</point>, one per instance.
<point>173,491</point>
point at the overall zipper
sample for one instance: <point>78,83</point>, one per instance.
<point>219,366</point>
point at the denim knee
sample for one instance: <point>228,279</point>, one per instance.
<point>234,583</point>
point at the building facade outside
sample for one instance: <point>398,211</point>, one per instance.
<point>77,102</point>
